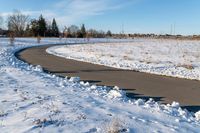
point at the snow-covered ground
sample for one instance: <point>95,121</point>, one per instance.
<point>33,101</point>
<point>177,58</point>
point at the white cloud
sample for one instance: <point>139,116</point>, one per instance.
<point>77,10</point>
<point>86,7</point>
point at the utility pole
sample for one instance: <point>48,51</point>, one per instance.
<point>171,30</point>
<point>122,28</point>
<point>174,28</point>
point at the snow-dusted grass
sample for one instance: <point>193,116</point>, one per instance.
<point>33,101</point>
<point>177,58</point>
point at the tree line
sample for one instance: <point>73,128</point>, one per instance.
<point>20,25</point>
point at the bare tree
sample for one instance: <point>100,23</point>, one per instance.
<point>1,22</point>
<point>65,32</point>
<point>17,23</point>
<point>73,30</point>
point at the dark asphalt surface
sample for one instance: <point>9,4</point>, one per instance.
<point>137,84</point>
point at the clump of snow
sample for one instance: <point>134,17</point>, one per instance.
<point>175,105</point>
<point>197,115</point>
<point>116,88</point>
<point>93,87</point>
<point>114,94</point>
<point>139,102</point>
<point>38,68</point>
<point>176,58</point>
<point>34,101</point>
<point>74,79</point>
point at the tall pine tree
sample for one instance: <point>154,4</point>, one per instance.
<point>34,28</point>
<point>42,26</point>
<point>83,31</point>
<point>49,32</point>
<point>109,33</point>
<point>55,30</point>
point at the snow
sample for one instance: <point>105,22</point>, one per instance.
<point>176,58</point>
<point>34,101</point>
<point>197,115</point>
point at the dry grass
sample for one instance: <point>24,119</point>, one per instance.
<point>38,39</point>
<point>12,40</point>
<point>110,55</point>
<point>2,113</point>
<point>40,121</point>
<point>187,66</point>
<point>126,58</point>
<point>115,126</point>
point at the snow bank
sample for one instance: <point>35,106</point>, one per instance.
<point>34,101</point>
<point>176,58</point>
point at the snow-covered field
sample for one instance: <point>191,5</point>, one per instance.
<point>176,58</point>
<point>33,101</point>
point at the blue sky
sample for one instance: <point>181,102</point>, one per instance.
<point>137,16</point>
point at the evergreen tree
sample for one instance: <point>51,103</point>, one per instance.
<point>79,34</point>
<point>55,30</point>
<point>34,28</point>
<point>83,31</point>
<point>108,34</point>
<point>49,32</point>
<point>42,26</point>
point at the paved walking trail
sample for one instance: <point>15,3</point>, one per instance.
<point>137,84</point>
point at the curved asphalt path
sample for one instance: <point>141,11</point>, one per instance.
<point>138,85</point>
